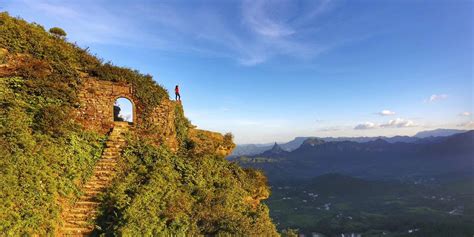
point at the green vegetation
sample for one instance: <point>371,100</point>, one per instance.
<point>46,155</point>
<point>336,204</point>
<point>182,124</point>
<point>39,162</point>
<point>161,192</point>
<point>58,32</point>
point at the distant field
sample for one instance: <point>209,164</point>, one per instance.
<point>331,204</point>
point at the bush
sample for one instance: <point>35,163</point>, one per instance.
<point>58,32</point>
<point>52,120</point>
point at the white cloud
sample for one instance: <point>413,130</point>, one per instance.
<point>330,129</point>
<point>465,114</point>
<point>398,123</point>
<point>436,97</point>
<point>255,14</point>
<point>393,123</point>
<point>386,113</point>
<point>469,124</point>
<point>366,125</point>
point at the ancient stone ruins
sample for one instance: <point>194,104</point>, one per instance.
<point>96,112</point>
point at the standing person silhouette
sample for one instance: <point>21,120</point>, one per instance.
<point>176,92</point>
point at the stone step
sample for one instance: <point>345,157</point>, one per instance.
<point>79,219</point>
<point>112,149</point>
<point>114,153</point>
<point>91,187</point>
<point>103,172</point>
<point>79,216</point>
<point>113,145</point>
<point>109,158</point>
<point>96,185</point>
<point>88,197</point>
<point>83,210</point>
<point>100,165</point>
<point>78,223</point>
<point>106,159</point>
<point>86,204</point>
<point>105,176</point>
<point>121,123</point>
<point>76,231</point>
<point>117,137</point>
<point>100,178</point>
<point>106,166</point>
<point>91,184</point>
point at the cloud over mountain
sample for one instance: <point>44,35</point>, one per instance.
<point>393,123</point>
<point>398,123</point>
<point>366,125</point>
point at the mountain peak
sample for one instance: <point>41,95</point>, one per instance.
<point>276,149</point>
<point>313,142</point>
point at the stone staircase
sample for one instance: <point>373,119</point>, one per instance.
<point>79,219</point>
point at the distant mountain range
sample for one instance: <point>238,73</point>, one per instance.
<point>382,158</point>
<point>253,149</point>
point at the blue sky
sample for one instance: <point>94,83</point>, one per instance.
<point>126,109</point>
<point>272,70</point>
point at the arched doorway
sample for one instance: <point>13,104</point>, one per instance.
<point>123,110</point>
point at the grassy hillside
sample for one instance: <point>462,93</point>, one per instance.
<point>46,155</point>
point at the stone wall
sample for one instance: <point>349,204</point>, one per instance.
<point>160,125</point>
<point>97,98</point>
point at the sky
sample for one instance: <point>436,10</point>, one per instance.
<point>126,109</point>
<point>273,70</point>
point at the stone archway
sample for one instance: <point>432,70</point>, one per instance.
<point>95,111</point>
<point>123,109</point>
<point>96,103</point>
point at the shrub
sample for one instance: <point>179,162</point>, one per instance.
<point>52,120</point>
<point>58,32</point>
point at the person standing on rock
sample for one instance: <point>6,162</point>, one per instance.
<point>176,92</point>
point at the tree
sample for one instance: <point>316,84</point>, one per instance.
<point>58,32</point>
